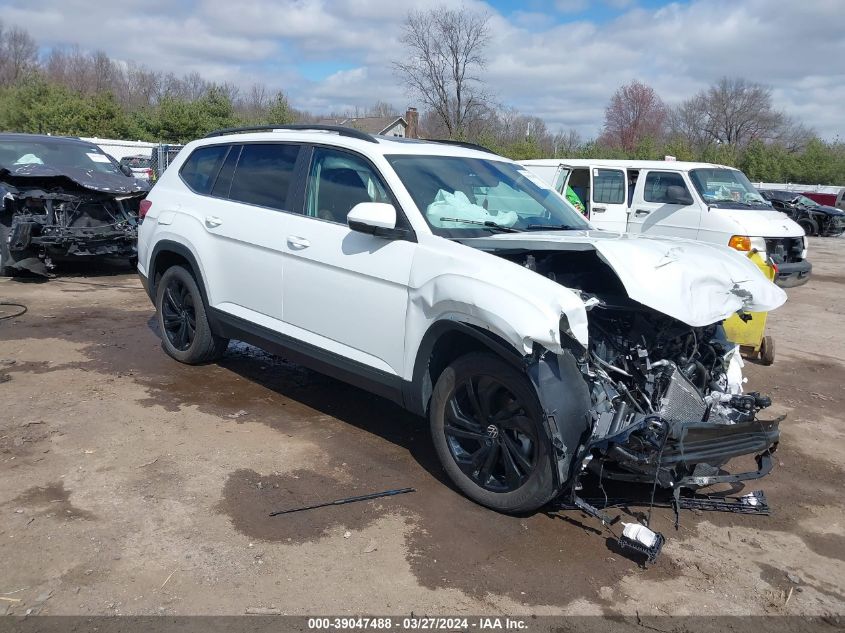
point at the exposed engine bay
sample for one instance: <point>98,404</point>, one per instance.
<point>50,219</point>
<point>667,399</point>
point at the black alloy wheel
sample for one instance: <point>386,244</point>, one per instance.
<point>179,314</point>
<point>489,434</point>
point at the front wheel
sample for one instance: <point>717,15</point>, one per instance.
<point>185,332</point>
<point>809,225</point>
<point>487,427</point>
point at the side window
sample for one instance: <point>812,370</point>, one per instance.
<point>337,182</point>
<point>199,171</point>
<point>657,183</point>
<point>560,179</point>
<point>224,177</point>
<point>608,186</point>
<point>264,174</point>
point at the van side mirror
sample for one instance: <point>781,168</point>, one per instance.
<point>375,218</point>
<point>678,195</point>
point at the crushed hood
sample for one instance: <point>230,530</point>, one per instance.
<point>34,175</point>
<point>695,282</point>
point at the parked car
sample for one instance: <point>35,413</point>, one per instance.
<point>63,199</point>
<point>814,218</point>
<point>698,201</point>
<point>459,285</point>
<point>141,166</point>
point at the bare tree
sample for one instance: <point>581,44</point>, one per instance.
<point>566,144</point>
<point>445,50</point>
<point>18,54</point>
<point>381,108</point>
<point>635,112</point>
<point>734,112</point>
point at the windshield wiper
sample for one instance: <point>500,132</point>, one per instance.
<point>553,227</point>
<point>486,223</point>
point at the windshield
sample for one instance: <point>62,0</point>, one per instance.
<point>726,187</point>
<point>467,197</point>
<point>804,201</point>
<point>60,155</point>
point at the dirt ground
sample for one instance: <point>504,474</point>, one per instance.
<point>132,484</point>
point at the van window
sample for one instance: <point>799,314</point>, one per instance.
<point>608,186</point>
<point>263,174</point>
<point>200,169</point>
<point>657,182</point>
<point>560,180</point>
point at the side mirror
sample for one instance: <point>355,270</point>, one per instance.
<point>374,218</point>
<point>126,169</point>
<point>678,195</point>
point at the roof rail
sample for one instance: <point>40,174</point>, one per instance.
<point>339,129</point>
<point>448,141</point>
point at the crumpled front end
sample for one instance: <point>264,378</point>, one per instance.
<point>675,422</point>
<point>45,225</point>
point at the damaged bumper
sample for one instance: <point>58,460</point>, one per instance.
<point>685,454</point>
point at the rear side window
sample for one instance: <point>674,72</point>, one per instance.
<point>201,167</point>
<point>608,186</point>
<point>657,182</point>
<point>264,174</point>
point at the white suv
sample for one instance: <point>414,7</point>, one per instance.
<point>456,283</point>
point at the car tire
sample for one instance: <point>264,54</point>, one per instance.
<point>182,319</point>
<point>809,225</point>
<point>5,255</point>
<point>487,427</point>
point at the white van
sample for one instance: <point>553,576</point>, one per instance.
<point>699,201</point>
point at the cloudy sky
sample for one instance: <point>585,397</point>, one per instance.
<point>558,59</point>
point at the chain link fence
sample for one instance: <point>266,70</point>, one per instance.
<point>146,160</point>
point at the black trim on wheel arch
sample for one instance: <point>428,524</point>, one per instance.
<point>376,381</point>
<point>418,390</point>
<point>169,246</point>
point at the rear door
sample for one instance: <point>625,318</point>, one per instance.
<point>609,197</point>
<point>346,292</point>
<point>245,215</point>
<point>656,213</point>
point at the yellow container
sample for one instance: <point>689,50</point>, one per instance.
<point>751,335</point>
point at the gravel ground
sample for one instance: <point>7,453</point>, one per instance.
<point>131,484</point>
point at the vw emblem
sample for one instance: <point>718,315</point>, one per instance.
<point>493,431</point>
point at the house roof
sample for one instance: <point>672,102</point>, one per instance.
<point>369,124</point>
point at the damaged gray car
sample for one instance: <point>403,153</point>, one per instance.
<point>63,199</point>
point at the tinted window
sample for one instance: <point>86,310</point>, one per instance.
<point>656,184</point>
<point>338,181</point>
<point>263,174</point>
<point>199,170</point>
<point>224,178</point>
<point>608,186</point>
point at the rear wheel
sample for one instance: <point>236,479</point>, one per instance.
<point>185,332</point>
<point>487,428</point>
<point>767,350</point>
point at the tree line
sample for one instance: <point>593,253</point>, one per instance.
<point>68,91</point>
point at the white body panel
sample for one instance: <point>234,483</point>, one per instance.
<point>371,300</point>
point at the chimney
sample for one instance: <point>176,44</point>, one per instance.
<point>412,117</point>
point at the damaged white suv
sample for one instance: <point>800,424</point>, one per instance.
<point>456,283</point>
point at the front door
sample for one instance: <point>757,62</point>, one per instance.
<point>656,210</point>
<point>345,291</point>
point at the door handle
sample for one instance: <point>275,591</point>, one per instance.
<point>599,209</point>
<point>212,221</point>
<point>298,243</point>
<point>642,211</point>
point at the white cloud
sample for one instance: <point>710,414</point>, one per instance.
<point>562,72</point>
